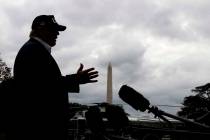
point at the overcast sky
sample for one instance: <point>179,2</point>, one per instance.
<point>161,48</point>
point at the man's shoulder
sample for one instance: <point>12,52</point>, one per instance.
<point>31,46</point>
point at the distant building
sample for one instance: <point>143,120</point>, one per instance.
<point>109,84</point>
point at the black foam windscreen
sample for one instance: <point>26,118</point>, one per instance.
<point>133,98</point>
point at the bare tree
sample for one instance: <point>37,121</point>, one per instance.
<point>5,78</point>
<point>5,71</point>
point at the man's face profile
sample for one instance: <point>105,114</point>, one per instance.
<point>50,35</point>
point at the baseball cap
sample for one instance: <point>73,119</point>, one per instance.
<point>47,21</point>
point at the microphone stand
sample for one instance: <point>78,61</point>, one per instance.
<point>156,112</point>
<point>160,114</point>
<point>139,102</point>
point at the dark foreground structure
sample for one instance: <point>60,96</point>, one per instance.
<point>114,125</point>
<point>111,123</point>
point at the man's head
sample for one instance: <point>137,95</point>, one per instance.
<point>46,28</point>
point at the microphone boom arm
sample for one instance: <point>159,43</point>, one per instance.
<point>158,112</point>
<point>139,102</point>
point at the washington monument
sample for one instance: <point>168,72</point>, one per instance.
<point>109,84</point>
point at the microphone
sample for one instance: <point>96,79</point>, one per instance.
<point>133,98</point>
<point>139,102</point>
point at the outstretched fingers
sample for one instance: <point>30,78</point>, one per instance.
<point>89,70</point>
<point>93,75</point>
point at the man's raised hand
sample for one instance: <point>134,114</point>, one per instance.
<point>87,75</point>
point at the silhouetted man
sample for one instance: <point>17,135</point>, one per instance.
<point>41,97</point>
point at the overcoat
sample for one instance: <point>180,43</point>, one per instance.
<point>41,96</point>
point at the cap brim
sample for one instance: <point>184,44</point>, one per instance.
<point>61,28</point>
